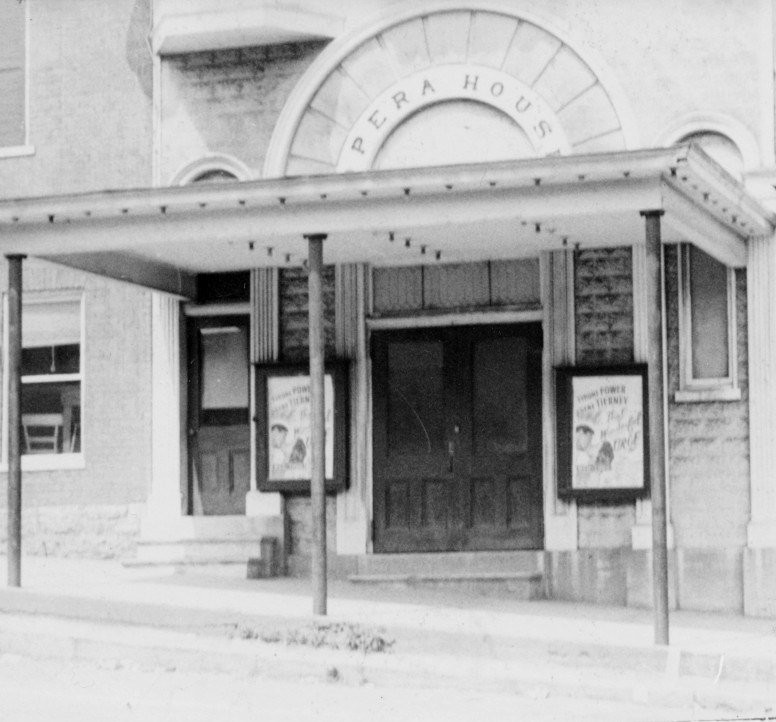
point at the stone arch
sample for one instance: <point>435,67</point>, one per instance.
<point>514,64</point>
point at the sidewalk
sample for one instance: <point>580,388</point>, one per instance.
<point>203,618</point>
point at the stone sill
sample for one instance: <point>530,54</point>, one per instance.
<point>17,151</point>
<point>49,462</point>
<point>723,393</point>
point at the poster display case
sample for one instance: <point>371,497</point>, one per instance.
<point>603,433</point>
<point>284,432</point>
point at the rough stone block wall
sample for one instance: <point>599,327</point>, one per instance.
<point>603,317</point>
<point>88,531</point>
<point>227,102</point>
<point>294,322</point>
<point>708,443</point>
<point>299,525</point>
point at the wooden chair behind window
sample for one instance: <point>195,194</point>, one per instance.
<point>42,433</point>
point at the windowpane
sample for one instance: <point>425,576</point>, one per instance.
<point>215,176</point>
<point>224,368</point>
<point>51,360</point>
<point>12,107</point>
<point>51,346</point>
<point>51,324</point>
<point>12,111</point>
<point>416,401</point>
<point>500,411</point>
<point>51,417</point>
<point>709,316</point>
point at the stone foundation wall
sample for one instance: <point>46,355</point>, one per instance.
<point>96,532</point>
<point>299,524</point>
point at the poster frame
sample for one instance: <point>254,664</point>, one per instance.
<point>564,400</point>
<point>263,373</point>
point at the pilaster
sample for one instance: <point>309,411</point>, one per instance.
<point>761,305</point>
<point>352,294</point>
<point>265,348</point>
<point>557,289</point>
<point>164,504</point>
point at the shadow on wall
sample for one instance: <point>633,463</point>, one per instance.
<point>139,56</point>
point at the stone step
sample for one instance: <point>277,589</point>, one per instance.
<point>452,563</point>
<point>196,551</point>
<point>523,586</point>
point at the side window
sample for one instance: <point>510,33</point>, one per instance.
<point>52,380</point>
<point>12,74</point>
<point>707,328</point>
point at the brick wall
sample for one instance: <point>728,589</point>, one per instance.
<point>603,293</point>
<point>294,321</point>
<point>709,444</point>
<point>89,99</point>
<point>227,102</point>
<point>116,418</point>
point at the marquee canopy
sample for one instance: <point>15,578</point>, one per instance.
<point>161,237</point>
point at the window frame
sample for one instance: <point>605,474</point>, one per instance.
<point>691,389</point>
<point>24,148</point>
<point>65,459</point>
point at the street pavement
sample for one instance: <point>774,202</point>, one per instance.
<point>43,690</point>
<point>213,622</point>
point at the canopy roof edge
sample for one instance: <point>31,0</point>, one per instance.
<point>461,211</point>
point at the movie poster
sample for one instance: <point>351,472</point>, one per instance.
<point>289,427</point>
<point>608,429</point>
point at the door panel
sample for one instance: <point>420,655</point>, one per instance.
<point>416,481</point>
<point>457,439</point>
<point>219,430</point>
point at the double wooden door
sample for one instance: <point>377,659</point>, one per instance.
<point>457,438</point>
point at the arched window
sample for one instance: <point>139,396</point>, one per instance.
<point>214,168</point>
<point>216,175</point>
<point>720,148</point>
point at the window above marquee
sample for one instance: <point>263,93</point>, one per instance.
<point>13,79</point>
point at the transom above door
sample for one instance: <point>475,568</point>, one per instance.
<point>457,438</point>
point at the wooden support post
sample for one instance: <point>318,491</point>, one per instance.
<point>318,420</point>
<point>657,421</point>
<point>14,420</point>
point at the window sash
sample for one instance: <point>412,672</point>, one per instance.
<point>688,380</point>
<point>13,74</point>
<point>36,301</point>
